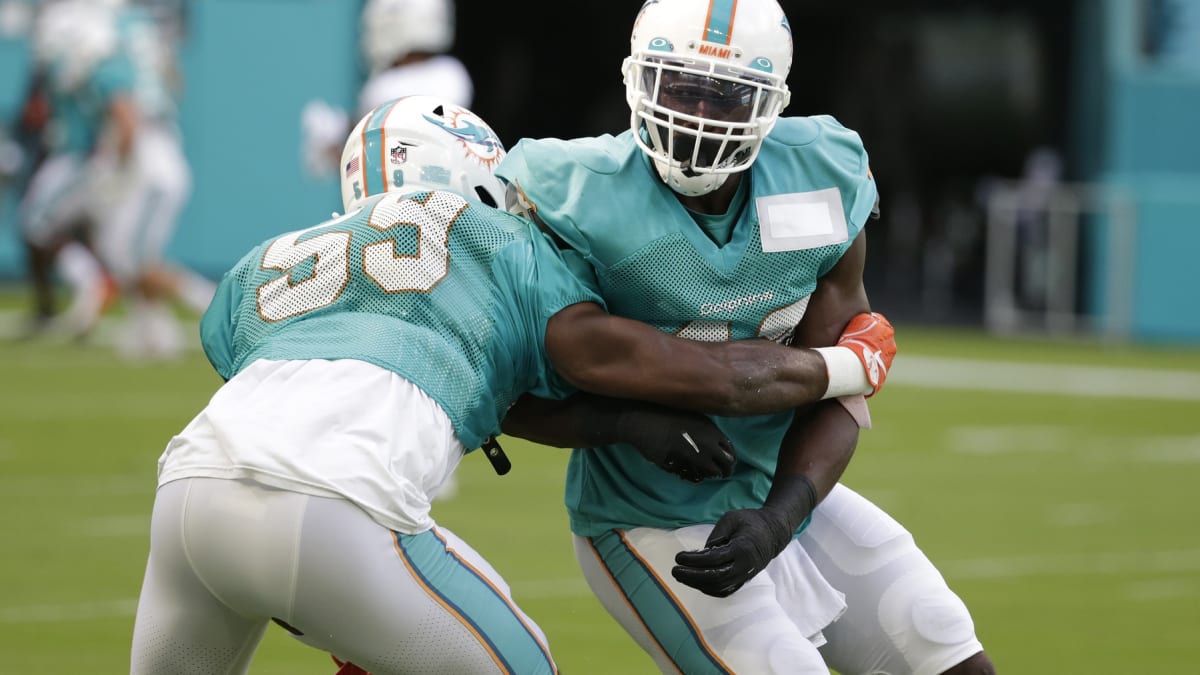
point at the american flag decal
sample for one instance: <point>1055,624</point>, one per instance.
<point>352,166</point>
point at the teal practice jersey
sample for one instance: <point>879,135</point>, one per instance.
<point>79,111</point>
<point>809,194</point>
<point>150,52</point>
<point>452,295</point>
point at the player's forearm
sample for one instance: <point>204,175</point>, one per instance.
<point>626,359</point>
<point>740,378</point>
<point>754,377</point>
<point>819,446</point>
<point>621,358</point>
<point>580,421</point>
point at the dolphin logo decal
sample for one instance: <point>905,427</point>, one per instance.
<point>470,132</point>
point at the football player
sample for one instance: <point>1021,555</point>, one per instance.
<point>146,196</point>
<point>78,90</point>
<point>714,218</point>
<point>117,164</point>
<point>363,357</point>
<point>406,47</point>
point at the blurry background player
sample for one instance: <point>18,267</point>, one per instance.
<point>116,164</point>
<point>22,153</point>
<point>145,196</point>
<point>405,45</point>
<point>77,91</point>
<point>363,357</point>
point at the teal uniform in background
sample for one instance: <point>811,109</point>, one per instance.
<point>79,113</point>
<point>146,45</point>
<point>80,93</point>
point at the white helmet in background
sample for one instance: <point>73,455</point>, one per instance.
<point>705,81</point>
<point>71,38</point>
<point>421,143</point>
<point>393,28</point>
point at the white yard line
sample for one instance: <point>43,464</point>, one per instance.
<point>935,372</point>
<point>98,485</point>
<point>79,611</point>
<point>1073,564</point>
<point>1043,378</point>
<point>113,526</point>
<point>1185,562</point>
<point>14,323</point>
<point>931,372</point>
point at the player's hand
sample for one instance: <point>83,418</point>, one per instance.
<point>873,339</point>
<point>686,444</point>
<point>740,546</point>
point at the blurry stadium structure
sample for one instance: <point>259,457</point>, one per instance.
<point>951,99</point>
<point>1035,253</point>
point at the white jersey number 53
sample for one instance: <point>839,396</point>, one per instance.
<point>331,252</point>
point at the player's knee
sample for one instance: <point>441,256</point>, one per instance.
<point>759,642</point>
<point>932,619</point>
<point>940,617</point>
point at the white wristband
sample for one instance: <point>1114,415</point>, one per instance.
<point>846,373</point>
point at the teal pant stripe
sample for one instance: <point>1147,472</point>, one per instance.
<point>373,152</point>
<point>720,21</point>
<point>667,622</point>
<point>476,602</point>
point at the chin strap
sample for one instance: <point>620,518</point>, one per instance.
<point>495,454</point>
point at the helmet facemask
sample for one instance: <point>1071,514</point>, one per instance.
<point>705,83</point>
<point>699,121</point>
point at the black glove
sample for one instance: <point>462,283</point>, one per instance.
<point>686,444</point>
<point>743,542</point>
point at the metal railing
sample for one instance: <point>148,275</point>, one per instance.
<point>1035,260</point>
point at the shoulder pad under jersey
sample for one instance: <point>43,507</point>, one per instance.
<point>550,172</point>
<point>539,160</point>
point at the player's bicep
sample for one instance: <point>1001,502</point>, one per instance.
<point>839,296</point>
<point>598,352</point>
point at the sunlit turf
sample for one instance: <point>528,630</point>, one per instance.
<point>1066,524</point>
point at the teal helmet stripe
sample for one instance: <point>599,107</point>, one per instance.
<point>719,27</point>
<point>374,160</point>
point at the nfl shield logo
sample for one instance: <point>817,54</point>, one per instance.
<point>399,154</point>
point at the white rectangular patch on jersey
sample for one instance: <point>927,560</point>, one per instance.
<point>801,220</point>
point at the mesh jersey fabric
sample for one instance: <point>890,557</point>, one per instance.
<point>641,249</point>
<point>449,294</point>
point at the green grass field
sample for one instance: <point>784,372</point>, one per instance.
<point>1066,521</point>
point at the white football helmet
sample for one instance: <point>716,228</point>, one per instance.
<point>420,143</point>
<point>393,28</point>
<point>705,81</point>
<point>71,38</point>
